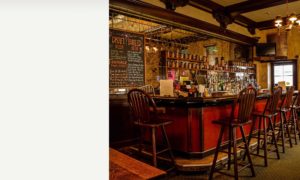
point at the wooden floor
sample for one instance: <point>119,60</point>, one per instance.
<point>122,166</point>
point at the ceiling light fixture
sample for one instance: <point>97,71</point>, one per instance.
<point>287,23</point>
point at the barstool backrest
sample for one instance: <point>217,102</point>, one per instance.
<point>288,100</point>
<point>141,105</point>
<point>246,102</point>
<point>148,89</point>
<point>296,101</point>
<point>273,101</point>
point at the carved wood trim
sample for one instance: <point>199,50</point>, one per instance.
<point>172,4</point>
<point>160,15</point>
<point>222,15</point>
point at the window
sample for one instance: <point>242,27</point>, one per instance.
<point>284,71</point>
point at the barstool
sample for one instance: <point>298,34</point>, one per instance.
<point>145,115</point>
<point>285,108</point>
<point>270,112</point>
<point>245,104</point>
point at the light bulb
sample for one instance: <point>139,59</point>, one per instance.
<point>293,18</point>
<point>278,25</point>
<point>147,48</point>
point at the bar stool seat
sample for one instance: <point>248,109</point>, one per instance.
<point>146,116</point>
<point>244,104</point>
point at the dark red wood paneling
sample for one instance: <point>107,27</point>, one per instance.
<point>211,131</point>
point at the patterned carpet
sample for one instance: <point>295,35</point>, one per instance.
<point>286,168</point>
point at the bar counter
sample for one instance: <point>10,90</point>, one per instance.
<point>192,133</point>
<point>198,101</point>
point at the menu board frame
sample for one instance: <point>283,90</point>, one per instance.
<point>125,32</point>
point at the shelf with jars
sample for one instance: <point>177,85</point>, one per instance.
<point>180,61</point>
<point>224,76</point>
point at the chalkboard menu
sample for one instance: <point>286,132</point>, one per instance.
<point>126,59</point>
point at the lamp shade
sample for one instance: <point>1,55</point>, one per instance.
<point>278,20</point>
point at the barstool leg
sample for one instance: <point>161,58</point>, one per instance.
<point>168,144</point>
<point>294,121</point>
<point>258,138</point>
<point>281,131</point>
<point>141,140</point>
<point>250,134</point>
<point>216,153</point>
<point>273,137</point>
<point>287,129</point>
<point>247,150</point>
<point>154,147</point>
<point>297,122</point>
<point>236,175</point>
<point>229,149</point>
<point>251,130</point>
<point>265,143</point>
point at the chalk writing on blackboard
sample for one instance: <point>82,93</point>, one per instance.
<point>126,59</point>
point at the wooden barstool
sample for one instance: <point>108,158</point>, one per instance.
<point>269,113</point>
<point>245,104</point>
<point>146,116</point>
<point>283,127</point>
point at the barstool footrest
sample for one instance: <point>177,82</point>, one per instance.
<point>162,151</point>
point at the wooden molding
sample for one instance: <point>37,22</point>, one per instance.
<point>273,59</point>
<point>160,15</point>
<point>172,4</point>
<point>206,4</point>
<point>223,16</point>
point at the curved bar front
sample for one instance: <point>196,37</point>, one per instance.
<point>192,132</point>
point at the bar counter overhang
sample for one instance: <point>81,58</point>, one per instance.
<point>192,133</point>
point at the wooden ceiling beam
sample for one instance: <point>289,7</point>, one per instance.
<point>265,25</point>
<point>159,15</point>
<point>253,5</point>
<point>206,5</point>
<point>218,10</point>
